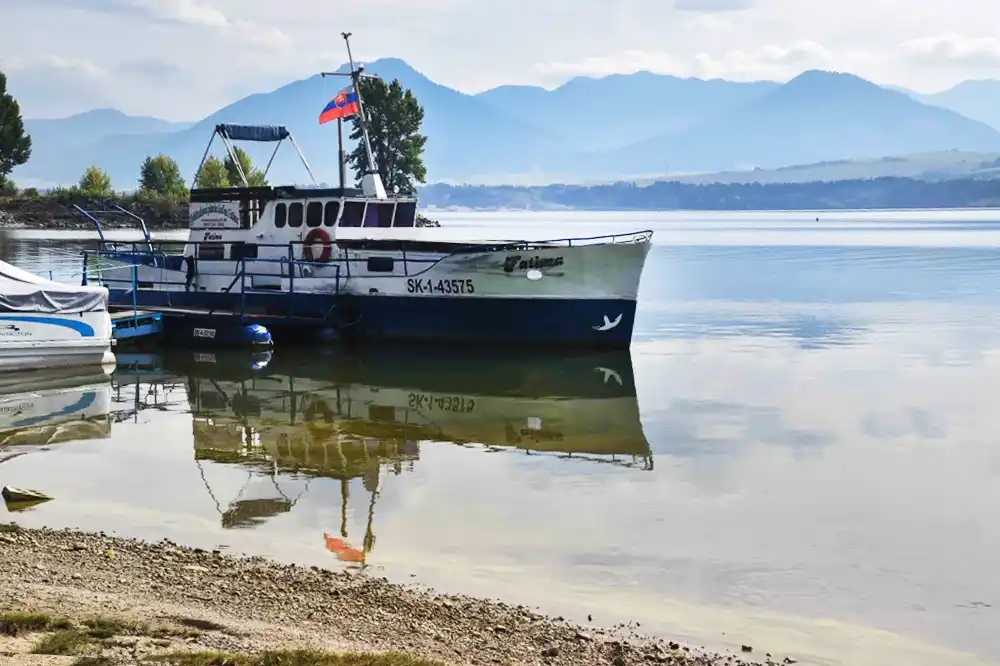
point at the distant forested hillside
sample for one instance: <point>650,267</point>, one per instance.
<point>843,194</point>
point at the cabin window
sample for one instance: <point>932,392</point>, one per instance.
<point>406,214</point>
<point>354,213</point>
<point>330,214</point>
<point>381,264</point>
<point>295,215</point>
<point>243,251</point>
<point>379,215</point>
<point>250,210</point>
<point>212,252</point>
<point>314,214</point>
<point>280,215</point>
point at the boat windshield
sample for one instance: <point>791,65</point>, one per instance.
<point>361,213</point>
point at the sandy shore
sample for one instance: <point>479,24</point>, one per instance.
<point>212,601</point>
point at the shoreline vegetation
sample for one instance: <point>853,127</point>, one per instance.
<point>30,209</point>
<point>99,600</point>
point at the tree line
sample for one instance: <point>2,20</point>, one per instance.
<point>874,193</point>
<point>160,178</point>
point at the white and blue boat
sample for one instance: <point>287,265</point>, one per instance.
<point>47,325</point>
<point>354,265</point>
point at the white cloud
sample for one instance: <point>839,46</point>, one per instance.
<point>712,5</point>
<point>72,66</point>
<point>218,50</point>
<point>951,50</point>
<point>188,11</point>
<point>43,85</point>
<point>765,62</point>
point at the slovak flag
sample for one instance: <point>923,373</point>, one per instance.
<point>343,105</point>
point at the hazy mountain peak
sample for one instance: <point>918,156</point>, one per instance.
<point>612,126</point>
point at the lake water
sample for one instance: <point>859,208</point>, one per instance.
<point>800,452</point>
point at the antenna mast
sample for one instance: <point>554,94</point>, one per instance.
<point>371,182</point>
<point>356,79</point>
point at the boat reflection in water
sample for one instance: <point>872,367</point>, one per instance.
<point>53,406</point>
<point>347,415</point>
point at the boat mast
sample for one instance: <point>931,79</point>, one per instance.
<point>371,182</point>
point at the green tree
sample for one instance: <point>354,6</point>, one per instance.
<point>255,177</point>
<point>394,130</point>
<point>15,144</point>
<point>212,174</point>
<point>95,183</point>
<point>161,175</point>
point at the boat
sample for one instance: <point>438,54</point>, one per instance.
<point>45,407</point>
<point>46,324</point>
<point>355,265</point>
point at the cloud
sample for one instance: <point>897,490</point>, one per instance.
<point>152,68</point>
<point>41,85</point>
<point>174,12</point>
<point>186,12</point>
<point>764,62</point>
<point>951,50</point>
<point>712,5</point>
<point>220,50</point>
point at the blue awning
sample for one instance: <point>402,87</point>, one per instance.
<point>264,133</point>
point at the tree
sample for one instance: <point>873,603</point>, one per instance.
<point>255,177</point>
<point>95,183</point>
<point>161,175</point>
<point>213,174</point>
<point>15,145</point>
<point>394,130</point>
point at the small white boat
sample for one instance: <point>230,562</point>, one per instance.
<point>46,324</point>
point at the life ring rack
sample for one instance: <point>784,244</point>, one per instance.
<point>309,242</point>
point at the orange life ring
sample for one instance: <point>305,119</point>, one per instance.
<point>310,239</point>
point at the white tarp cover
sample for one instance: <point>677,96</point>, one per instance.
<point>21,291</point>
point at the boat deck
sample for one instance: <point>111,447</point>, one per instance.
<point>171,311</point>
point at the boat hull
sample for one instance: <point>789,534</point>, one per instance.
<point>581,295</point>
<point>42,342</point>
<point>590,323</point>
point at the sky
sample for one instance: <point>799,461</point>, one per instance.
<point>182,59</point>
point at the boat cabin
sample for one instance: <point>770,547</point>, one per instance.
<point>289,207</point>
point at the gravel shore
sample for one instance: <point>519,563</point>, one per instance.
<point>248,604</point>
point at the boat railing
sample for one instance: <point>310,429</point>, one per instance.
<point>95,272</point>
<point>293,266</point>
<point>632,237</point>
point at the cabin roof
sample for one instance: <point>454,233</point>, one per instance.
<point>280,192</point>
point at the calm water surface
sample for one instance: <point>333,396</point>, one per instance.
<point>800,452</point>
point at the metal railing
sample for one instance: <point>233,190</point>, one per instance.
<point>152,254</point>
<point>240,276</point>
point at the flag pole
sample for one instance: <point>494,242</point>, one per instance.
<point>340,152</point>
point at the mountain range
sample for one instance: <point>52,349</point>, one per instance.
<point>615,127</point>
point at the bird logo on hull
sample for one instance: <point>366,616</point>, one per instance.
<point>608,324</point>
<point>609,374</point>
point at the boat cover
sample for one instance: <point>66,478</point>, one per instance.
<point>264,133</point>
<point>21,291</point>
